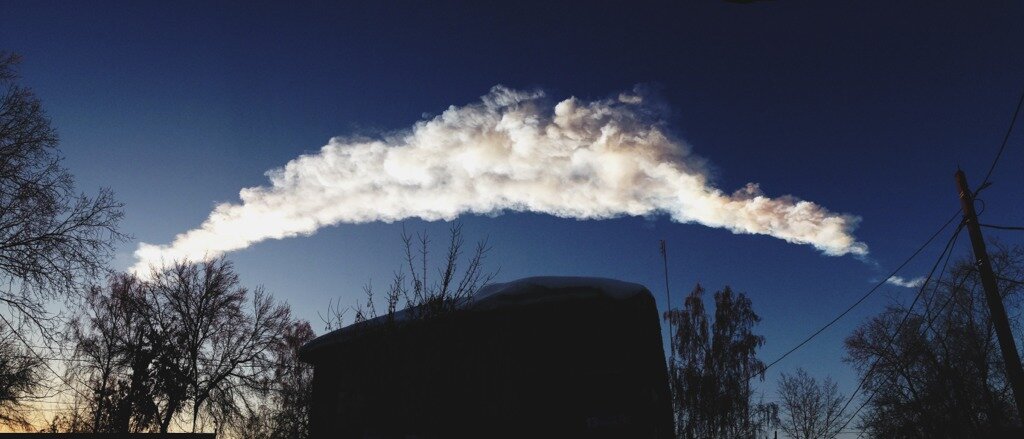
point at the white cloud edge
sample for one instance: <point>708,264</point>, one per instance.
<point>510,152</point>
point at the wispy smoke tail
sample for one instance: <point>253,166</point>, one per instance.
<point>904,282</point>
<point>510,152</point>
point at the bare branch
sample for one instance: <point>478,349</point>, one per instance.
<point>53,240</point>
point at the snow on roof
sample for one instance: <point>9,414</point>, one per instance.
<point>552,288</point>
<point>526,291</point>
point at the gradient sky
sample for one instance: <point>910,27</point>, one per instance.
<point>866,108</point>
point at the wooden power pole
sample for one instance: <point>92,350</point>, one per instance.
<point>1014,373</point>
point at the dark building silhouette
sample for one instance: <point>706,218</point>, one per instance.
<point>538,357</point>
<point>109,435</point>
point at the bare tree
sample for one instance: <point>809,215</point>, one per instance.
<point>940,375</point>
<point>224,337</point>
<point>188,345</point>
<point>810,410</point>
<point>51,237</point>
<point>70,420</point>
<point>286,403</point>
<point>114,350</point>
<point>19,377</point>
<point>424,296</point>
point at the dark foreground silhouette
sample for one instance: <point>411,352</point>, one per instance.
<point>538,357</point>
<point>109,435</point>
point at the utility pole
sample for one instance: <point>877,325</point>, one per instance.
<point>668,297</point>
<point>995,302</point>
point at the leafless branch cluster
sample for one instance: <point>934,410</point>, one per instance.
<point>942,374</point>
<point>811,409</point>
<point>52,239</point>
<point>19,378</point>
<point>189,346</point>
<point>283,411</point>
<point>413,287</point>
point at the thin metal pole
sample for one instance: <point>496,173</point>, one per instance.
<point>668,296</point>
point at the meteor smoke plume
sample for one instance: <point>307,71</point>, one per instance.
<point>510,152</point>
<point>904,282</point>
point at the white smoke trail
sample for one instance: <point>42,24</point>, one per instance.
<point>510,152</point>
<point>906,283</point>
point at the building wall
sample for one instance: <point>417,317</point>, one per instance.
<point>578,368</point>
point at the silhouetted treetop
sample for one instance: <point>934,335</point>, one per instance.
<point>51,237</point>
<point>710,366</point>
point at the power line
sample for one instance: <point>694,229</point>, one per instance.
<point>985,183</point>
<point>88,361</point>
<point>991,226</point>
<point>874,390</point>
<point>945,253</point>
<point>929,327</point>
<point>892,339</point>
<point>862,298</point>
<point>942,272</point>
<point>1008,280</point>
<point>46,364</point>
<point>1006,138</point>
<point>74,353</point>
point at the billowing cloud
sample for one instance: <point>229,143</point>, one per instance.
<point>512,151</point>
<point>906,283</point>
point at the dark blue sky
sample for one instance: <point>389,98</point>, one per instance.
<point>864,107</point>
